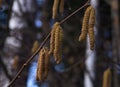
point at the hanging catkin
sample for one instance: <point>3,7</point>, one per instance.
<point>43,65</point>
<point>58,44</point>
<point>47,63</point>
<point>40,67</point>
<point>52,38</point>
<point>55,8</point>
<point>35,46</point>
<point>91,28</point>
<point>85,24</point>
<point>55,54</point>
<point>107,78</point>
<point>61,7</point>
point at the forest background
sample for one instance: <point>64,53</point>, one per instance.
<point>22,22</point>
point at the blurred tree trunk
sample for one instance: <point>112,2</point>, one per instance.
<point>116,38</point>
<point>21,37</point>
<point>90,58</point>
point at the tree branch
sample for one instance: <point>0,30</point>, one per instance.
<point>43,43</point>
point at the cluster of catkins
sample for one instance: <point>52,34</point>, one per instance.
<point>88,26</point>
<point>43,64</point>
<point>55,45</point>
<point>57,37</point>
<point>55,50</point>
<point>55,7</point>
<point>56,42</point>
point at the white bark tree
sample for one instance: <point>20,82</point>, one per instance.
<point>23,12</point>
<point>90,59</point>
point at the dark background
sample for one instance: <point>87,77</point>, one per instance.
<point>38,21</point>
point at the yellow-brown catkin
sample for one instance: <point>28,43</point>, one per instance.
<point>47,63</point>
<point>56,47</point>
<point>52,38</point>
<point>60,46</point>
<point>43,65</point>
<point>35,46</point>
<point>40,68</point>
<point>91,28</point>
<point>85,24</point>
<point>107,78</point>
<point>55,8</point>
<point>61,7</point>
<point>15,62</point>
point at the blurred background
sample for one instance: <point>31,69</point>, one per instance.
<point>23,22</point>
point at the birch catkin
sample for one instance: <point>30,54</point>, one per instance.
<point>43,65</point>
<point>52,38</point>
<point>85,24</point>
<point>61,7</point>
<point>107,78</point>
<point>56,49</point>
<point>40,67</point>
<point>56,42</point>
<point>55,8</point>
<point>60,46</point>
<point>47,63</point>
<point>91,28</point>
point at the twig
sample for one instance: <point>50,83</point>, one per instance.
<point>43,43</point>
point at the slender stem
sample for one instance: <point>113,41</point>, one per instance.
<point>73,13</point>
<point>43,43</point>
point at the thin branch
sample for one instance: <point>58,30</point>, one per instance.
<point>43,43</point>
<point>74,12</point>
